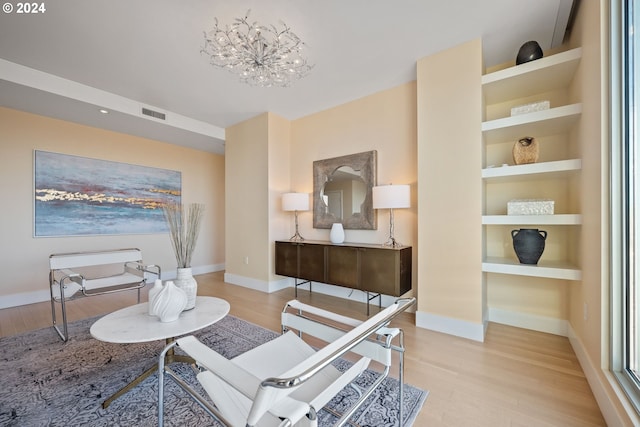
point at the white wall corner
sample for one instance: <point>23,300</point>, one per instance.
<point>600,388</point>
<point>277,285</point>
<point>255,284</point>
<point>247,282</point>
<point>534,322</point>
<point>451,326</point>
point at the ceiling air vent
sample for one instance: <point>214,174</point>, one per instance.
<point>155,114</point>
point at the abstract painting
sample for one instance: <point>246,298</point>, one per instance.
<point>77,196</point>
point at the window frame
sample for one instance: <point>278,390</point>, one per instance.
<point>624,188</point>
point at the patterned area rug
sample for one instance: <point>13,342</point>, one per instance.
<point>50,383</point>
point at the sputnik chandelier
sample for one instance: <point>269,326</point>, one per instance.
<point>260,55</point>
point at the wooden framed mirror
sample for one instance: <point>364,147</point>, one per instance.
<point>342,191</point>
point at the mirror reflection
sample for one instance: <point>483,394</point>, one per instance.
<point>344,193</point>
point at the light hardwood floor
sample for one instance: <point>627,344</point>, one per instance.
<point>516,377</point>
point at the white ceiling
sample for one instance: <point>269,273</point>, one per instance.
<point>80,55</point>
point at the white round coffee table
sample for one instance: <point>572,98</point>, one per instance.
<point>135,325</point>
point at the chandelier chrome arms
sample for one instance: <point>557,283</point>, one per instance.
<point>260,55</point>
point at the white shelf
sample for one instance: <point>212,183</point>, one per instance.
<point>548,170</point>
<point>557,219</point>
<point>539,76</point>
<point>539,123</point>
<point>546,269</point>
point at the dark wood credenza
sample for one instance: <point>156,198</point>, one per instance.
<point>368,267</point>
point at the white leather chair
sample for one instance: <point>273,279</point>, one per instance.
<point>284,382</point>
<point>123,271</point>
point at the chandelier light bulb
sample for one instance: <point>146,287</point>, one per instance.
<point>260,55</point>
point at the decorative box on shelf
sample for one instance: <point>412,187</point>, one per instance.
<point>530,108</point>
<point>530,207</point>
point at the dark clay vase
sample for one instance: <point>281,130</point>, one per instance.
<point>528,244</point>
<point>530,51</point>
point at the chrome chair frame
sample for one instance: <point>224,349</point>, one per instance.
<point>61,277</point>
<point>384,337</point>
<point>304,319</point>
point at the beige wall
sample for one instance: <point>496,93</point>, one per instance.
<point>593,151</point>
<point>385,122</point>
<point>247,198</point>
<point>590,337</point>
<point>257,174</point>
<point>281,224</point>
<point>450,196</point>
<point>267,156</point>
<point>24,259</point>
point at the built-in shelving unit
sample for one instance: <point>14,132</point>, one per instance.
<point>542,77</point>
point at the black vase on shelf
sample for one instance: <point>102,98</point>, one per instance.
<point>528,244</point>
<point>530,51</point>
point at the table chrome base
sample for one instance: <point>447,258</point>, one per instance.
<point>170,357</point>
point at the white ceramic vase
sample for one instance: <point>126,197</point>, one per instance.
<point>337,233</point>
<point>188,284</point>
<point>153,293</point>
<point>169,302</point>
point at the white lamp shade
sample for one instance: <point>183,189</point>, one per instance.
<point>391,196</point>
<point>295,202</point>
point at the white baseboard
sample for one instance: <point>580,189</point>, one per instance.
<point>255,284</point>
<point>602,387</point>
<point>451,326</point>
<point>321,288</point>
<point>24,298</point>
<point>534,322</point>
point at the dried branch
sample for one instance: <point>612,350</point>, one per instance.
<point>184,235</point>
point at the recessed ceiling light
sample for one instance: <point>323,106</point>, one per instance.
<point>103,111</point>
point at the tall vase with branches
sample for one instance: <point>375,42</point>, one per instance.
<point>184,227</point>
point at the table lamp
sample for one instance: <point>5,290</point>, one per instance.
<point>391,197</point>
<point>295,202</point>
